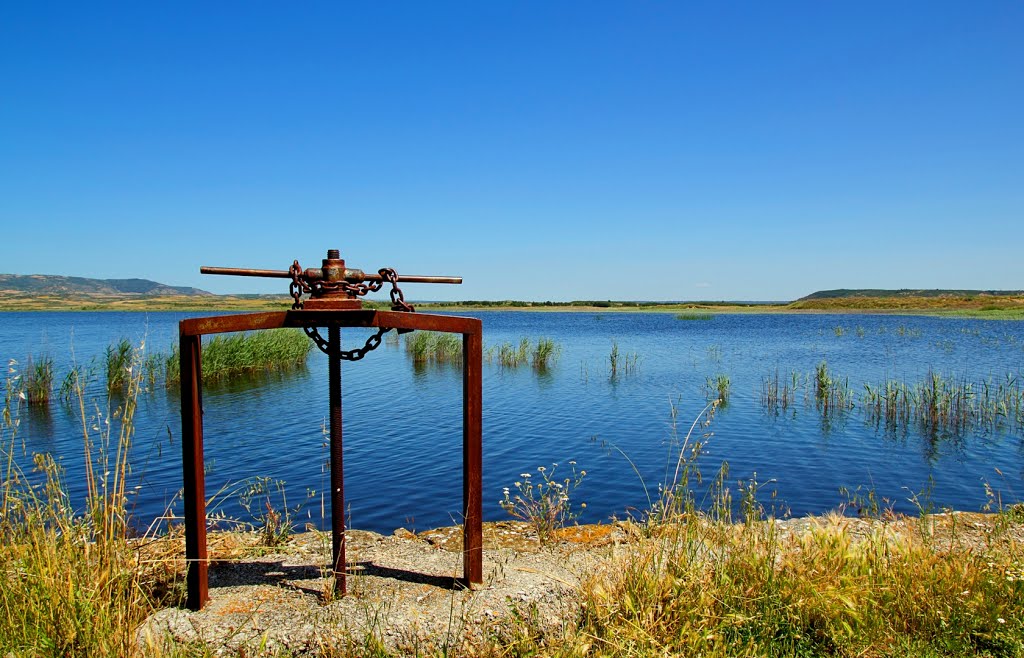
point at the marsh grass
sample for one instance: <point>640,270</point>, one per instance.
<point>75,380</point>
<point>718,387</point>
<point>708,588</point>
<point>38,380</point>
<point>226,356</point>
<point>695,316</point>
<point>944,405</point>
<point>711,576</point>
<point>434,347</point>
<point>778,395</point>
<point>540,355</point>
<point>117,360</point>
<point>509,355</point>
<point>831,394</point>
<point>74,584</point>
<point>545,353</point>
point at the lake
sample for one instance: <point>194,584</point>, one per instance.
<point>403,422</point>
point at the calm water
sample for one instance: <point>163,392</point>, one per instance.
<point>403,424</point>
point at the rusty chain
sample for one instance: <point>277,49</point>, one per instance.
<point>300,286</point>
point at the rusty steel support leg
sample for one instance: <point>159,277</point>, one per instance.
<point>337,462</point>
<point>472,459</point>
<point>195,481</point>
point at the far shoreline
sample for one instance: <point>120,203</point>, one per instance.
<point>995,308</point>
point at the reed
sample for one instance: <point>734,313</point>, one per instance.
<point>718,387</point>
<point>831,394</point>
<point>38,380</point>
<point>695,316</point>
<point>232,355</point>
<point>541,354</point>
<point>513,355</point>
<point>944,405</point>
<point>118,362</point>
<point>779,394</point>
<point>434,347</point>
<point>545,353</point>
<point>622,364</point>
<point>74,383</point>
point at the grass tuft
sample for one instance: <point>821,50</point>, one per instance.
<point>434,347</point>
<point>245,353</point>
<point>38,380</point>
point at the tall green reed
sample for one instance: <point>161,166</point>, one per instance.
<point>622,363</point>
<point>38,380</point>
<point>231,355</point>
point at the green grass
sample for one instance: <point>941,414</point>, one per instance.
<point>74,381</point>
<point>945,405</point>
<point>831,394</point>
<point>718,387</point>
<point>117,360</point>
<point>545,353</point>
<point>540,355</point>
<point>434,347</point>
<point>694,316</point>
<point>226,356</point>
<point>38,380</point>
<point>620,364</point>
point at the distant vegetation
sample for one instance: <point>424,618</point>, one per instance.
<point>1007,304</point>
<point>44,292</point>
<point>846,293</point>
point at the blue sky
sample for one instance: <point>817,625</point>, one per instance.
<point>541,150</point>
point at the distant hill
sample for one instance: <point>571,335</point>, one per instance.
<point>73,286</point>
<point>844,293</point>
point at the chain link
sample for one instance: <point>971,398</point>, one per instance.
<point>398,302</point>
<point>300,286</point>
<point>372,343</point>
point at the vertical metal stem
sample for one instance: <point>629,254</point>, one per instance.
<point>190,352</point>
<point>337,463</point>
<point>472,458</point>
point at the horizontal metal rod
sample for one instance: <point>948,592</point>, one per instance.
<point>285,274</point>
<point>236,271</point>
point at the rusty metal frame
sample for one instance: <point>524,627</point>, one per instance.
<point>190,334</point>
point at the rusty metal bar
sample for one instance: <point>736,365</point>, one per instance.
<point>190,352</point>
<point>337,462</point>
<point>238,271</point>
<point>353,318</point>
<point>391,319</point>
<point>472,457</point>
<point>227,323</point>
<point>285,274</point>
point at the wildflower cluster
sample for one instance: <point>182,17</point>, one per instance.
<point>544,502</point>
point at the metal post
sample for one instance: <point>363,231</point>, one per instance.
<point>192,462</point>
<point>472,458</point>
<point>337,461</point>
